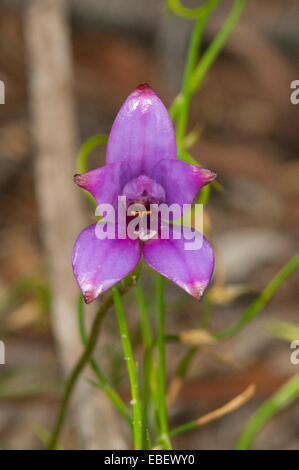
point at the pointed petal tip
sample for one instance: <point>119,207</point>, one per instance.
<point>89,296</point>
<point>89,292</point>
<point>145,96</point>
<point>191,270</point>
<point>196,289</point>
<point>144,88</point>
<point>78,179</point>
<point>207,175</point>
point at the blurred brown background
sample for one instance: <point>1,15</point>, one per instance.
<point>249,136</point>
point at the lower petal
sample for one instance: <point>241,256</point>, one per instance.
<point>188,263</point>
<point>98,264</point>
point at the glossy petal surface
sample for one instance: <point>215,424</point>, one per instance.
<point>105,183</point>
<point>142,133</point>
<point>180,180</point>
<point>189,269</point>
<point>99,264</point>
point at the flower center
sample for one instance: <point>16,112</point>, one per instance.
<point>143,190</point>
<point>140,193</point>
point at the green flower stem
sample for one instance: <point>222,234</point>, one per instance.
<point>148,345</point>
<point>216,45</point>
<point>155,398</point>
<point>194,74</point>
<point>282,398</point>
<point>86,148</point>
<point>79,366</point>
<point>144,316</point>
<point>184,12</point>
<point>182,118</point>
<point>204,195</point>
<point>184,364</point>
<point>184,428</point>
<point>187,157</point>
<point>164,437</point>
<point>147,389</point>
<point>102,381</point>
<point>262,299</point>
<point>132,368</point>
<point>183,367</point>
<point>175,107</point>
<point>193,51</point>
<point>148,440</point>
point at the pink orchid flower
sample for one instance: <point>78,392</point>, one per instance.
<point>142,164</point>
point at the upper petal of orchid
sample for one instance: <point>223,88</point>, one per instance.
<point>99,264</point>
<point>180,180</point>
<point>105,183</point>
<point>191,269</point>
<point>142,133</point>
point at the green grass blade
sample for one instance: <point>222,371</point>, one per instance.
<point>262,299</point>
<point>280,400</point>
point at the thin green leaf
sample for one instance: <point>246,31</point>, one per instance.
<point>184,12</point>
<point>164,438</point>
<point>262,299</point>
<point>283,330</point>
<point>102,381</point>
<point>280,400</point>
<point>84,152</point>
<point>216,45</point>
<point>132,368</point>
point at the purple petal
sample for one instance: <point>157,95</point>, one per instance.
<point>105,183</point>
<point>181,181</point>
<point>142,133</point>
<point>99,264</point>
<point>190,269</point>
